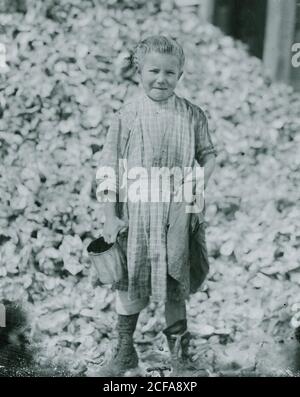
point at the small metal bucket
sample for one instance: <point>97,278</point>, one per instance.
<point>107,259</point>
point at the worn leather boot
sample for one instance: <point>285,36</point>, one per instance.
<point>178,339</point>
<point>124,357</point>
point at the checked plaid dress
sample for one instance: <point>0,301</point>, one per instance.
<point>170,133</point>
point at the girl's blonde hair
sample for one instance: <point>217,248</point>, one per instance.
<point>159,44</point>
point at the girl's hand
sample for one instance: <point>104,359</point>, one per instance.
<point>111,228</point>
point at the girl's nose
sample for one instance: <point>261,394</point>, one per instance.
<point>160,78</point>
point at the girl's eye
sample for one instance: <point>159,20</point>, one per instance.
<point>171,73</point>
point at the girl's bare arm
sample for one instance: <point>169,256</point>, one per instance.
<point>209,162</point>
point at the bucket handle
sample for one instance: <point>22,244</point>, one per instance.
<point>122,230</point>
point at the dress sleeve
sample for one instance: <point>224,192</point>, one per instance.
<point>203,141</point>
<point>107,175</point>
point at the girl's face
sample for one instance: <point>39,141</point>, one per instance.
<point>159,75</point>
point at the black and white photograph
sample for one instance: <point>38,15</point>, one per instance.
<point>150,190</point>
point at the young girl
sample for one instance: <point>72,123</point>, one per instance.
<point>165,245</point>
